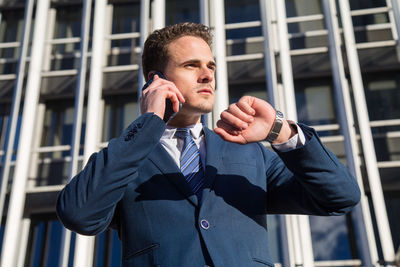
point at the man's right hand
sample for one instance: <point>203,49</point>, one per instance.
<point>153,97</point>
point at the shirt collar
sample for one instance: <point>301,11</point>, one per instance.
<point>196,131</point>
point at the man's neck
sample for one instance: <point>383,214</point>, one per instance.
<point>182,121</point>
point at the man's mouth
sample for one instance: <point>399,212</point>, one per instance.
<point>207,91</point>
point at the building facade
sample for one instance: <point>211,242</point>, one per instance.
<point>70,77</point>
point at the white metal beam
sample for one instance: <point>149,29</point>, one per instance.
<point>17,195</point>
<point>369,253</point>
<point>144,31</point>
<point>301,234</point>
<point>12,125</point>
<point>269,53</point>
<point>221,92</point>
<point>158,14</point>
<point>84,246</point>
<point>366,136</point>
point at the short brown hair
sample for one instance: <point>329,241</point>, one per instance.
<point>155,52</point>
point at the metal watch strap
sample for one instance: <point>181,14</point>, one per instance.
<point>276,128</point>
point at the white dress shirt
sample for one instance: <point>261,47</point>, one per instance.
<point>173,145</point>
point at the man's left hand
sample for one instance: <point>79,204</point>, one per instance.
<point>250,120</point>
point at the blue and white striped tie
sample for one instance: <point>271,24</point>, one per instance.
<point>191,166</point>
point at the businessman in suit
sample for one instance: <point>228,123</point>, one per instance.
<point>215,214</point>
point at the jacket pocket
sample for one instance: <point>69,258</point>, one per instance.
<point>263,262</point>
<point>142,251</point>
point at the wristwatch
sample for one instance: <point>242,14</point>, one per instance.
<point>276,128</point>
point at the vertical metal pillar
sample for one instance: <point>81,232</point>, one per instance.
<point>222,93</point>
<point>269,53</point>
<point>300,224</point>
<point>394,16</point>
<point>366,135</point>
<point>144,31</point>
<point>158,14</point>
<point>204,6</point>
<point>360,214</point>
<point>273,99</point>
<point>78,116</point>
<point>12,124</point>
<point>84,246</point>
<point>17,196</point>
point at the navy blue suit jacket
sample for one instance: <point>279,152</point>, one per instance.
<point>136,186</point>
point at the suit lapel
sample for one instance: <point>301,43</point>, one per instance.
<point>214,149</point>
<point>168,167</point>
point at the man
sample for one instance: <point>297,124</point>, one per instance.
<point>215,215</point>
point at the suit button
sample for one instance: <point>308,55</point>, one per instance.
<point>204,224</point>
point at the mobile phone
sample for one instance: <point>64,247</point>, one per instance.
<point>169,113</point>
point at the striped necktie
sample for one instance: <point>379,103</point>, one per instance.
<point>191,166</point>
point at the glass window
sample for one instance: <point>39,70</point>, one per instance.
<point>58,87</point>
<point>57,131</point>
<point>44,245</point>
<point>309,66</point>
<point>274,237</point>
<point>108,249</point>
<point>68,25</point>
<point>392,201</point>
<point>315,102</point>
<point>242,11</point>
<point>177,11</point>
<point>120,111</point>
<point>126,19</point>
<point>68,21</point>
<point>296,8</point>
<point>11,30</point>
<point>382,92</point>
<point>330,238</point>
<point>246,78</point>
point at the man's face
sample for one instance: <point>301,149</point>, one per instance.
<point>191,67</point>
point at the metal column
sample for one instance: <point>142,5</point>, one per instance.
<point>78,116</point>
<point>12,125</point>
<point>17,195</point>
<point>158,14</point>
<point>394,16</point>
<point>366,136</point>
<point>361,216</point>
<point>298,225</point>
<point>144,31</point>
<point>269,53</point>
<point>273,99</point>
<point>204,6</point>
<point>222,92</point>
<point>84,246</point>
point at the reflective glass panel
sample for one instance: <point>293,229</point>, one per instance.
<point>330,238</point>
<point>177,11</point>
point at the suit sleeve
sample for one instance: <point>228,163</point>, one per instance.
<point>86,205</point>
<point>309,180</point>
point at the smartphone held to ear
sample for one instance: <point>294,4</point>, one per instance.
<point>169,113</point>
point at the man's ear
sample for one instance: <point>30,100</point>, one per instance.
<point>150,74</point>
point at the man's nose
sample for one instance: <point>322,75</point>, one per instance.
<point>206,75</point>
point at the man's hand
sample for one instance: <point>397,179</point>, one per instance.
<point>250,120</point>
<point>153,97</point>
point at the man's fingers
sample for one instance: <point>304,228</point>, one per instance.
<point>233,121</point>
<point>229,137</point>
<point>246,108</point>
<point>228,128</point>
<point>160,83</point>
<point>236,117</point>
